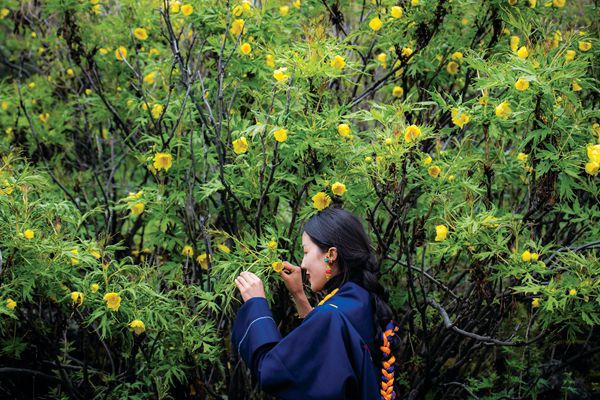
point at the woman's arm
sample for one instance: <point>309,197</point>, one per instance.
<point>303,307</point>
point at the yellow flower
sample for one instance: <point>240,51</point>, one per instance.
<point>397,91</point>
<point>388,141</point>
<point>77,298</point>
<point>452,68</point>
<point>70,72</point>
<point>88,91</point>
<point>521,84</point>
<point>484,100</point>
<point>406,52</point>
<point>4,13</point>
<point>382,57</point>
<point>94,287</point>
<point>103,51</point>
<point>526,256</point>
<point>44,117</point>
<point>570,55</point>
<point>29,234</point>
<point>559,3</point>
<point>375,24</point>
<point>596,129</point>
<point>396,12</point>
<point>224,248</point>
<point>414,3</point>
<point>503,110</point>
<point>457,56</point>
<point>11,304</point>
<point>202,259</point>
<point>514,43</point>
<point>246,5</point>
<point>75,257</point>
<point>140,33</point>
<point>535,256</point>
<point>593,152</point>
<point>576,87</point>
<point>338,62</point>
<point>137,325</point>
<point>175,7</point>
<point>157,110</point>
<point>572,292</point>
<point>137,209</point>
<point>427,160</point>
<point>523,53</point>
<point>121,53</point>
<point>113,301</point>
<point>5,105</point>
<point>150,78</point>
<point>162,161</point>
<point>512,2</point>
<point>280,75</point>
<point>344,130</point>
<point>321,200</point>
<point>532,3</point>
<point>338,188</point>
<point>281,135</point>
<point>296,4</point>
<point>556,39</point>
<point>237,27</point>
<point>187,251</point>
<point>240,145</point>
<point>522,157</point>
<point>434,171</point>
<point>489,221</point>
<point>237,11</point>
<point>535,302</point>
<point>411,133</point>
<point>284,10</point>
<point>154,51</point>
<point>460,118</point>
<point>441,232</point>
<point>269,61</point>
<point>246,48</point>
<point>592,168</point>
<point>187,9</point>
<point>585,46</point>
<point>272,245</point>
<point>277,266</point>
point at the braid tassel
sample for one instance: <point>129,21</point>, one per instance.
<point>388,360</point>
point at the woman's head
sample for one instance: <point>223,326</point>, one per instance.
<point>339,235</point>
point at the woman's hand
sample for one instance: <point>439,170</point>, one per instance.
<point>249,285</point>
<point>292,277</point>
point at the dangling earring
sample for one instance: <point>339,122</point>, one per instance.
<point>328,269</point>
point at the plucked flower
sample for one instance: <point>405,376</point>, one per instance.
<point>411,133</point>
<point>140,33</point>
<point>321,201</point>
<point>277,266</point>
<point>137,326</point>
<point>441,233</point>
<point>113,301</point>
<point>162,161</point>
<point>240,145</point>
<point>338,188</point>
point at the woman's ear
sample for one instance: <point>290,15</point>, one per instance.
<point>332,253</point>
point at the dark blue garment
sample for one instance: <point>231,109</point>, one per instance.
<point>327,357</point>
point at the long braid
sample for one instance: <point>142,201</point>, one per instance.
<point>388,361</point>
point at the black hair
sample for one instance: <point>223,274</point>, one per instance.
<point>337,227</point>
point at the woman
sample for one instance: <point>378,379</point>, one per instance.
<point>339,350</point>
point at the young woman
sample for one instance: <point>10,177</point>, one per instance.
<point>340,350</point>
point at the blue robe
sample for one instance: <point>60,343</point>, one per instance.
<point>327,357</point>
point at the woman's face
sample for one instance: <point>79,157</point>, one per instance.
<point>313,263</point>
